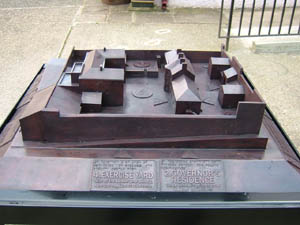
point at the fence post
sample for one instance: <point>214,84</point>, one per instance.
<point>221,18</point>
<point>229,24</point>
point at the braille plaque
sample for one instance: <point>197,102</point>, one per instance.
<point>124,175</point>
<point>192,175</point>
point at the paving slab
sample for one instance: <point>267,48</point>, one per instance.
<point>198,16</point>
<point>28,38</point>
<point>119,17</point>
<point>119,8</point>
<point>154,17</point>
<point>143,36</point>
<point>94,3</point>
<point>38,3</point>
<point>276,47</point>
<point>93,14</point>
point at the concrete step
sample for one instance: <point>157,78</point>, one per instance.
<point>276,46</point>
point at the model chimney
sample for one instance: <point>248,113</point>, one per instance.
<point>184,66</point>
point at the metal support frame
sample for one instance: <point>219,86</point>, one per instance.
<point>42,207</point>
<point>254,10</point>
<point>41,215</point>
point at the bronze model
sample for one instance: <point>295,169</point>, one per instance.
<point>143,120</point>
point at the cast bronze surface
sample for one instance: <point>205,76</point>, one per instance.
<point>121,106</point>
<point>142,145</point>
<point>124,175</point>
<point>91,102</point>
<point>216,65</point>
<point>142,93</point>
<point>142,64</point>
<point>231,95</point>
<point>192,175</point>
<point>186,175</point>
<point>228,75</point>
<point>141,68</point>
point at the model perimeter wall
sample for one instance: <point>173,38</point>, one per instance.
<point>50,125</point>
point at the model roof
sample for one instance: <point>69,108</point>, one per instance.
<point>103,74</point>
<point>112,53</point>
<point>178,64</point>
<point>178,68</point>
<point>184,89</point>
<point>171,56</point>
<point>93,59</point>
<point>96,58</point>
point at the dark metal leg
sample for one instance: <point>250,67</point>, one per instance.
<point>227,43</point>
<point>229,25</point>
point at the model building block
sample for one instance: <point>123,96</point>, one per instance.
<point>228,75</point>
<point>102,110</point>
<point>100,133</point>
<point>216,65</point>
<point>187,98</point>
<point>180,79</point>
<point>107,58</point>
<point>172,55</point>
<point>106,80</point>
<point>91,102</point>
<point>114,58</point>
<point>230,95</point>
<point>177,65</point>
<point>76,71</point>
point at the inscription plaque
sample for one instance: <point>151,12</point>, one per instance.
<point>192,176</point>
<point>124,175</point>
